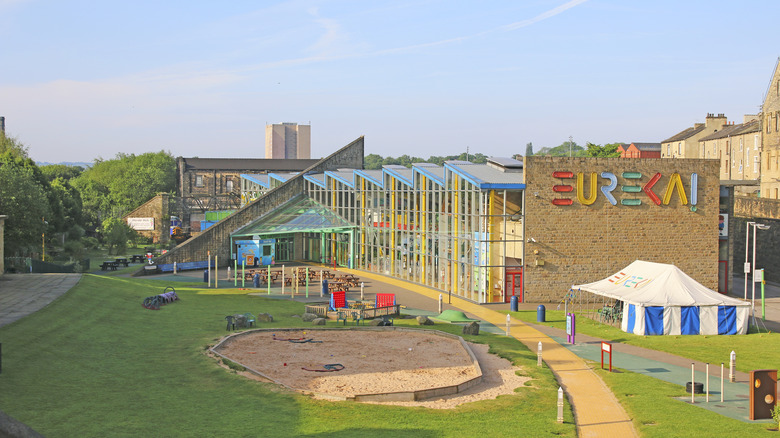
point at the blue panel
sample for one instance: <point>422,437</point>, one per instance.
<point>689,320</point>
<point>727,320</point>
<point>654,320</point>
<point>631,318</point>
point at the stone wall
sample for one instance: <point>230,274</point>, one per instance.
<point>216,239</point>
<point>159,209</point>
<point>757,207</point>
<point>575,244</point>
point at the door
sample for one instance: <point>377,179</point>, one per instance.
<point>514,284</point>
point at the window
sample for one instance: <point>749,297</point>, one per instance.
<point>679,148</point>
<point>740,144</point>
<point>198,180</point>
<point>229,185</point>
<point>755,142</point>
<point>668,150</point>
<point>756,164</point>
<point>740,166</point>
<point>777,122</point>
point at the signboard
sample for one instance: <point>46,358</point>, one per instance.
<point>141,223</point>
<point>723,225</point>
<point>571,328</point>
<point>758,275</point>
<point>606,347</point>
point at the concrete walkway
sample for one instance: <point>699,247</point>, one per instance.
<point>23,294</point>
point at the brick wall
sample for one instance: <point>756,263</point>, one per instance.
<point>217,238</point>
<point>157,208</point>
<point>584,243</point>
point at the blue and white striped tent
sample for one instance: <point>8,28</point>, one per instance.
<point>660,299</point>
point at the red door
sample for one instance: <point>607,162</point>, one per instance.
<point>514,284</point>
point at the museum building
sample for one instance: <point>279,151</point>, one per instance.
<point>483,232</point>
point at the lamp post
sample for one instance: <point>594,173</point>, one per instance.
<point>753,296</point>
<point>747,261</point>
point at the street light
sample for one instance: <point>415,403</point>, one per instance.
<point>753,297</point>
<point>747,261</point>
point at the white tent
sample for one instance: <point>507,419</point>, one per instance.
<point>661,299</point>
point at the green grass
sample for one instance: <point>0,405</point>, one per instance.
<point>96,363</point>
<point>754,351</point>
<point>650,404</point>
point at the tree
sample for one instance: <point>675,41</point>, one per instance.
<point>563,150</point>
<point>529,149</point>
<point>25,203</point>
<point>112,188</point>
<point>12,146</point>
<point>116,234</point>
<point>372,161</point>
<point>608,150</point>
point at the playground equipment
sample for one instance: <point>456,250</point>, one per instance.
<point>155,301</point>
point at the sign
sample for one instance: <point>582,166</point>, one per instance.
<point>630,187</point>
<point>570,328</point>
<point>141,223</point>
<point>747,268</point>
<point>606,347</point>
<point>758,275</point>
<point>723,225</point>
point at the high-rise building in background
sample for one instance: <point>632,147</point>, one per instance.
<point>288,140</point>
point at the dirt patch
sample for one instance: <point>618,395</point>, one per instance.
<point>374,362</point>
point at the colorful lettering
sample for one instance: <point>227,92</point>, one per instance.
<point>607,190</point>
<point>675,182</point>
<point>648,188</point>
<point>694,188</point>
<point>581,188</point>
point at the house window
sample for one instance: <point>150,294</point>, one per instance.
<point>198,180</point>
<point>229,185</point>
<point>668,150</point>
<point>679,148</point>
<point>740,166</point>
<point>755,142</point>
<point>740,144</point>
<point>756,164</point>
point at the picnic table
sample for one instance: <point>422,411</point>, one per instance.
<point>137,258</point>
<point>109,265</point>
<point>122,261</point>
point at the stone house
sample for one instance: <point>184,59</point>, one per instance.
<point>770,129</point>
<point>685,144</point>
<point>738,147</point>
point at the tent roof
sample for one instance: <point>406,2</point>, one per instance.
<point>657,284</point>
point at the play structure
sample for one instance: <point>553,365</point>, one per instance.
<point>155,301</point>
<point>659,299</point>
<point>340,308</point>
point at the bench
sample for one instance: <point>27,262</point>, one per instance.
<point>168,267</point>
<point>109,266</point>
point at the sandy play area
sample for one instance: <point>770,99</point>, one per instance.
<point>374,361</point>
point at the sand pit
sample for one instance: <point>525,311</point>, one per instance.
<point>375,361</point>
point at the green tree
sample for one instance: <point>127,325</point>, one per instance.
<point>608,150</point>
<point>563,150</point>
<point>529,149</point>
<point>116,234</point>
<point>372,161</point>
<point>24,201</point>
<point>112,188</point>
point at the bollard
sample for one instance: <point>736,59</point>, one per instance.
<point>560,404</point>
<point>174,268</point>
<point>361,290</point>
<point>228,273</point>
<point>216,271</point>
<point>732,365</point>
<point>440,304</point>
<point>707,382</point>
<point>692,383</point>
<point>721,382</point>
<point>539,354</point>
<point>508,322</point>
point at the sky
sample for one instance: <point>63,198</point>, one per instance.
<point>82,80</point>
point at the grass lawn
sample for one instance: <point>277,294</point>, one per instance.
<point>754,351</point>
<point>96,363</point>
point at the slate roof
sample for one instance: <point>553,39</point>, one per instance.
<point>732,130</point>
<point>251,165</point>
<point>688,133</point>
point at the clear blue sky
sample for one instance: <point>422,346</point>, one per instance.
<point>87,79</point>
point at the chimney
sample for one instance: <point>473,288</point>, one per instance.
<point>2,124</point>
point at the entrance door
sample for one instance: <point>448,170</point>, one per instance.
<point>514,284</point>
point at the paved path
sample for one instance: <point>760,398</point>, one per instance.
<point>23,294</point>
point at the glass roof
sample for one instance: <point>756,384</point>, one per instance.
<point>300,214</point>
